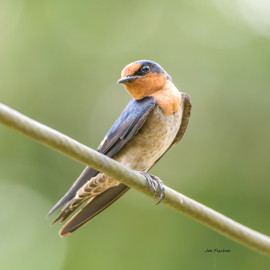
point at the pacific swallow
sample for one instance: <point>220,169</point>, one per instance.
<point>155,119</point>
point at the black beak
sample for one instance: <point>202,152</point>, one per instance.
<point>129,79</point>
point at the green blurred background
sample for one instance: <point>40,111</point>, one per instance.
<point>60,61</point>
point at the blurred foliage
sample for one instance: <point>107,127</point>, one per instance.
<point>60,61</point>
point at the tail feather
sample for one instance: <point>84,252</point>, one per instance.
<point>67,211</point>
<point>95,206</point>
<point>92,188</point>
<point>87,174</point>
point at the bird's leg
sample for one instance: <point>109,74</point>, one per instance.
<point>150,180</point>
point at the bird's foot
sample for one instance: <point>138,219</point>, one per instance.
<point>150,180</point>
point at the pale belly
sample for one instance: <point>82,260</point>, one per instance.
<point>152,140</point>
<point>141,152</point>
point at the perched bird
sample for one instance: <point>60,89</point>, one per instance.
<point>155,119</point>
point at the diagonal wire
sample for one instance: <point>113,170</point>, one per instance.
<point>173,199</point>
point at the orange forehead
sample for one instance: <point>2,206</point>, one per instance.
<point>130,69</point>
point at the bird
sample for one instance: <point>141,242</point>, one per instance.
<point>155,119</point>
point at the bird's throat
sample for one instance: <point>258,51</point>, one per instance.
<point>146,85</point>
<point>168,98</point>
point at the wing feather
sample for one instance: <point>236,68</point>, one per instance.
<point>125,127</point>
<point>185,118</point>
<point>95,206</point>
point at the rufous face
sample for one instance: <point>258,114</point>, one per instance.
<point>143,78</point>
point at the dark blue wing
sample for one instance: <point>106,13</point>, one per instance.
<point>129,122</point>
<point>126,125</point>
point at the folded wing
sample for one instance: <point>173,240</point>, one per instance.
<point>125,127</point>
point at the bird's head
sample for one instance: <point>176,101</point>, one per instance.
<point>142,78</point>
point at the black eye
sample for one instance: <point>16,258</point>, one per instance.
<point>145,69</point>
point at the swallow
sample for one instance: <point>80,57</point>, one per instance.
<point>155,119</point>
